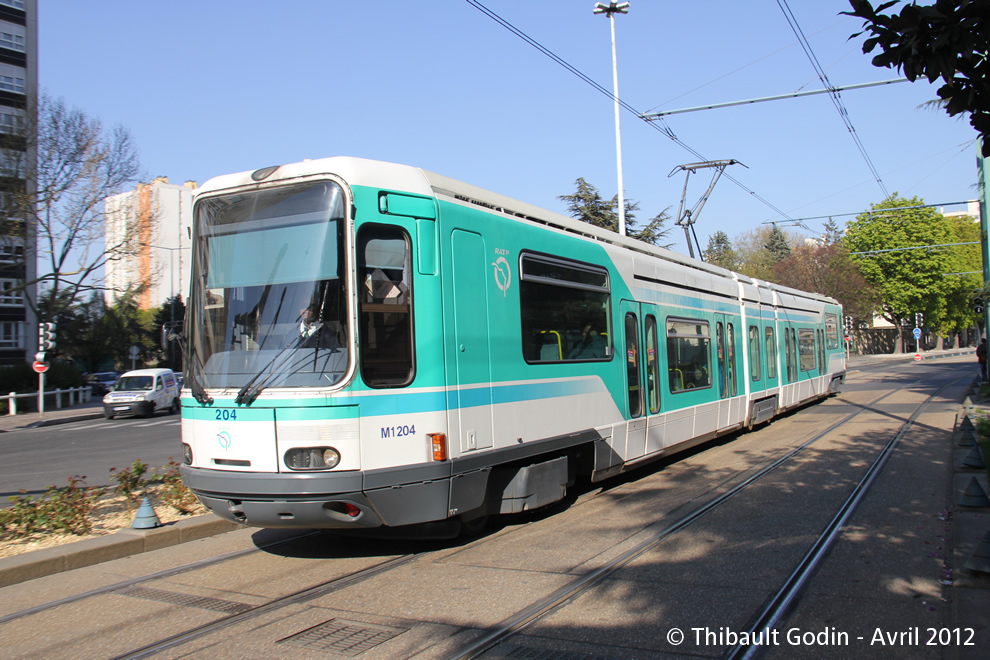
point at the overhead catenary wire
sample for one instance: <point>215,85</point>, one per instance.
<point>658,125</point>
<point>833,92</point>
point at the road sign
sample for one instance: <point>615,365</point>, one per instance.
<point>917,333</point>
<point>39,367</point>
<point>917,357</point>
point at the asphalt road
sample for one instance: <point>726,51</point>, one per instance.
<point>34,459</point>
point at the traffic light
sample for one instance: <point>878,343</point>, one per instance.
<point>978,305</point>
<point>46,336</point>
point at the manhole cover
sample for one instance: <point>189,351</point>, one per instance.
<point>342,636</point>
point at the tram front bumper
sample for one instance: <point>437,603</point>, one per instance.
<point>324,500</point>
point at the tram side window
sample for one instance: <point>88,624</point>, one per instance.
<point>564,307</point>
<point>688,354</point>
<point>771,354</point>
<point>385,306</point>
<point>831,330</point>
<point>806,349</point>
<point>730,358</point>
<point>652,365</point>
<point>754,352</point>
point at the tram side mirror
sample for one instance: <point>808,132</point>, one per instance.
<point>171,332</point>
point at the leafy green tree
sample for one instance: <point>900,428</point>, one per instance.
<point>949,39</point>
<point>720,251</point>
<point>908,280</point>
<point>587,205</point>
<point>833,233</point>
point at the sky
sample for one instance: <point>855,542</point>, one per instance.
<point>211,87</point>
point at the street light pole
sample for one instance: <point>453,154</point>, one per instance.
<point>610,10</point>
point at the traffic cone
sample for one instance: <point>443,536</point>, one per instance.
<point>967,405</point>
<point>146,517</point>
<point>967,424</point>
<point>980,561</point>
<point>967,436</point>
<point>974,459</point>
<point>974,495</point>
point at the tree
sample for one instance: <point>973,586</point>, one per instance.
<point>79,165</point>
<point>171,314</point>
<point>908,281</point>
<point>829,270</point>
<point>720,251</point>
<point>588,206</point>
<point>777,245</point>
<point>949,40</point>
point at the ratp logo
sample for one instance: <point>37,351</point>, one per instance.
<point>224,439</point>
<point>503,274</point>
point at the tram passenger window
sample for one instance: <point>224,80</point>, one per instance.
<point>832,330</point>
<point>754,352</point>
<point>632,366</point>
<point>652,365</point>
<point>688,354</point>
<point>788,352</point>
<point>720,358</point>
<point>806,349</point>
<point>564,308</point>
<point>385,306</point>
<point>771,354</point>
<point>730,358</point>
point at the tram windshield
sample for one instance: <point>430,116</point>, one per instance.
<point>268,304</point>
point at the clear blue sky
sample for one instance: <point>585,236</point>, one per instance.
<point>209,87</point>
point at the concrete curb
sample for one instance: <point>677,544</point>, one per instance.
<point>126,542</point>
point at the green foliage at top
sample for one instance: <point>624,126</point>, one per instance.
<point>720,251</point>
<point>915,280</point>
<point>777,245</point>
<point>587,205</point>
<point>949,39</point>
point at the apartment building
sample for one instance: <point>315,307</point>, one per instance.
<point>18,156</point>
<point>155,220</point>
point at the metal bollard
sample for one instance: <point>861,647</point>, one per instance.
<point>12,407</point>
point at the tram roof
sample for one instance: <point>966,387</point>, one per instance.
<point>371,173</point>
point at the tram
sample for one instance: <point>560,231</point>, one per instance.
<point>373,345</point>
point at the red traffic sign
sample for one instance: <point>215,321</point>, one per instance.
<point>917,357</point>
<point>39,367</point>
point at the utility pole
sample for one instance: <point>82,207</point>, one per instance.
<point>610,10</point>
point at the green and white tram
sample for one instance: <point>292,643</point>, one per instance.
<point>374,345</point>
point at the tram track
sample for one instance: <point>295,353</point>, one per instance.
<point>508,627</point>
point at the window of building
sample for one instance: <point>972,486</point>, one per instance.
<point>688,354</point>
<point>11,254</point>
<point>12,41</point>
<point>564,307</point>
<point>11,293</point>
<point>385,306</point>
<point>11,335</point>
<point>11,124</point>
<point>832,330</point>
<point>12,84</point>
<point>16,4</point>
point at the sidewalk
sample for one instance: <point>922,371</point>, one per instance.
<point>92,409</point>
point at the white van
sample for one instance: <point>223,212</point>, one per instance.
<point>142,392</point>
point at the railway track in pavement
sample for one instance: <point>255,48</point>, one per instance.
<point>402,604</point>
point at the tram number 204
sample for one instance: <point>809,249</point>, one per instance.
<point>398,431</point>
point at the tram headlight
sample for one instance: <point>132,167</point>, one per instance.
<point>186,454</point>
<point>312,458</point>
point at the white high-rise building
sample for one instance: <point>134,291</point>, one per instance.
<point>156,218</point>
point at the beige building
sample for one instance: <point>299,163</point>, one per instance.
<point>155,221</point>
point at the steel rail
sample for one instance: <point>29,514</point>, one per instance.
<point>792,589</point>
<point>526,617</point>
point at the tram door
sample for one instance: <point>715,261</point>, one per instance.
<point>472,352</point>
<point>641,335</point>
